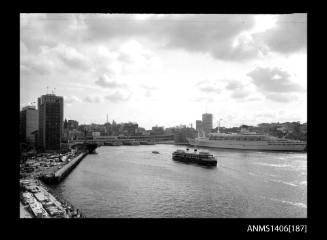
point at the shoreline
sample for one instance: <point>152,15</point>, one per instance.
<point>37,199</point>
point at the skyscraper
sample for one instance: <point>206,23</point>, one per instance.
<point>50,121</point>
<point>29,122</point>
<point>207,123</point>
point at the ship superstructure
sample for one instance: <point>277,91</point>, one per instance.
<point>248,140</point>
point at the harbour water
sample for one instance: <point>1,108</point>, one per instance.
<point>132,182</point>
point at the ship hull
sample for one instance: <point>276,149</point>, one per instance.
<point>189,160</point>
<point>245,145</point>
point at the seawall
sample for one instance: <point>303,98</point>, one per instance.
<point>66,169</point>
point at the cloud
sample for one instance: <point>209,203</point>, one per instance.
<point>282,98</point>
<point>212,34</point>
<point>289,34</point>
<point>240,94</point>
<point>94,99</point>
<point>205,33</point>
<point>71,99</point>
<point>71,57</point>
<point>148,90</point>
<point>105,82</point>
<point>51,59</point>
<point>208,87</point>
<point>233,85</point>
<point>238,90</point>
<point>118,96</point>
<point>203,99</point>
<point>223,36</point>
<point>273,80</point>
<point>29,68</point>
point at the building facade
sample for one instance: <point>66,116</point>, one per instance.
<point>72,124</point>
<point>207,123</point>
<point>198,125</point>
<point>29,122</point>
<point>51,109</point>
<point>157,130</point>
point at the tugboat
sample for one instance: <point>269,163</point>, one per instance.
<point>203,158</point>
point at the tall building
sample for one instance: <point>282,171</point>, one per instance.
<point>51,111</point>
<point>157,130</point>
<point>198,125</point>
<point>29,122</point>
<point>72,124</point>
<point>207,123</point>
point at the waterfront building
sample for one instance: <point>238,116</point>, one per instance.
<point>29,122</point>
<point>130,129</point>
<point>182,134</point>
<point>207,123</point>
<point>51,111</point>
<point>72,124</point>
<point>198,125</point>
<point>157,130</point>
<point>96,134</point>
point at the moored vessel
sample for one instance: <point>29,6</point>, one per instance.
<point>131,142</point>
<point>248,141</point>
<point>113,143</point>
<point>147,143</point>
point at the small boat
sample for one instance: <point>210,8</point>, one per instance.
<point>155,152</point>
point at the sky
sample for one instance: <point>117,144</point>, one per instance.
<point>167,69</point>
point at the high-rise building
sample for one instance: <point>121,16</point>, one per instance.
<point>29,122</point>
<point>198,125</point>
<point>207,123</point>
<point>51,111</point>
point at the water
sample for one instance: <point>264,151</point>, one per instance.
<point>131,181</point>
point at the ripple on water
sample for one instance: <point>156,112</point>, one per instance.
<point>132,182</point>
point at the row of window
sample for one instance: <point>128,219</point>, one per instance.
<point>238,138</point>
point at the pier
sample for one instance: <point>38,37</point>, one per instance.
<point>61,173</point>
<point>66,169</point>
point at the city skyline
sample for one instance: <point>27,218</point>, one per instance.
<point>167,70</point>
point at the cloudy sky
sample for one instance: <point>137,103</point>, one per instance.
<point>167,69</point>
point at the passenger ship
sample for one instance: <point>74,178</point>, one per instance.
<point>249,141</point>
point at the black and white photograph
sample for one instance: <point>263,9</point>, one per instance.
<point>145,115</point>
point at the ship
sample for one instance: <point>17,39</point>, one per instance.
<point>202,158</point>
<point>147,143</point>
<point>113,143</point>
<point>131,142</point>
<point>248,141</point>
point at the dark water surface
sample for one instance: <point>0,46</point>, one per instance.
<point>131,181</point>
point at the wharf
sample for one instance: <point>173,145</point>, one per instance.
<point>60,173</point>
<point>66,169</point>
<point>36,199</point>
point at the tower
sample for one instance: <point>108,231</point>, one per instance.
<point>50,121</point>
<point>207,123</point>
